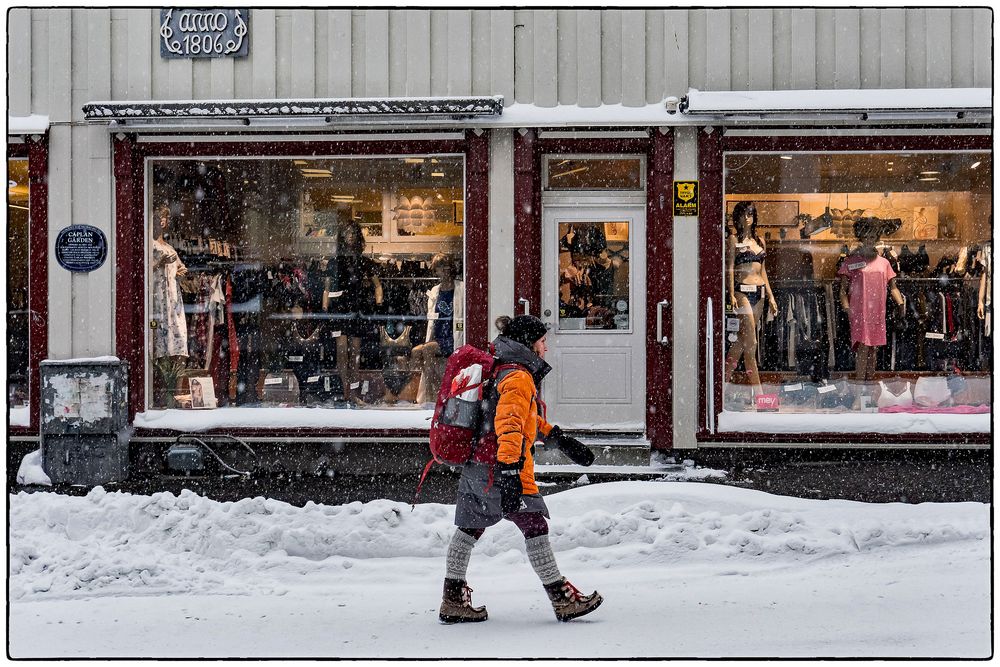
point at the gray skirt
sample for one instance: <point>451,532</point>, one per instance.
<point>477,507</point>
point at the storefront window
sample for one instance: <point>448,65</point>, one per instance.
<point>858,282</point>
<point>17,291</point>
<point>304,282</point>
<point>594,275</point>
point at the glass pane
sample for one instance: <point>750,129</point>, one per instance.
<point>304,282</point>
<point>858,282</point>
<point>594,275</point>
<point>17,291</point>
<point>593,173</point>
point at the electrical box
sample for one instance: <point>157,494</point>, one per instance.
<point>84,420</point>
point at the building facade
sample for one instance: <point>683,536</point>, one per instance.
<point>308,209</point>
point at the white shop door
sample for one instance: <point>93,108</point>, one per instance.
<point>593,300</point>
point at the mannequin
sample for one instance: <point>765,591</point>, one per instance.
<point>748,287</point>
<point>865,276</point>
<point>445,326</point>
<point>169,337</point>
<point>359,292</point>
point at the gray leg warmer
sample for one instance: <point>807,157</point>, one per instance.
<point>459,552</point>
<point>542,559</point>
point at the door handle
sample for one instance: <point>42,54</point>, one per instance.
<point>660,338</point>
<point>524,304</point>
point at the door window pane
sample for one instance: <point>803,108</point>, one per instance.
<point>17,291</point>
<point>594,275</point>
<point>304,282</point>
<point>565,173</point>
<point>858,282</point>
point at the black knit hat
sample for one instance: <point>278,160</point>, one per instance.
<point>525,329</point>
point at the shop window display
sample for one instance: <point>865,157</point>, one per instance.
<point>17,291</point>
<point>303,282</point>
<point>858,282</point>
<point>594,275</point>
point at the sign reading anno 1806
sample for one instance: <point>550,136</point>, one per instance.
<point>204,33</point>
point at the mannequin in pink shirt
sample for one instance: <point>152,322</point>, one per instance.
<point>865,277</point>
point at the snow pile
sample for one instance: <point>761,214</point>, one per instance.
<point>119,543</point>
<point>31,471</point>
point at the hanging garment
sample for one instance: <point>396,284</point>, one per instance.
<point>169,338</point>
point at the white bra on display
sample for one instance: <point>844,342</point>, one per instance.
<point>887,399</point>
<point>931,392</point>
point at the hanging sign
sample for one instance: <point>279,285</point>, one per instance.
<point>685,198</point>
<point>81,248</point>
<point>204,33</point>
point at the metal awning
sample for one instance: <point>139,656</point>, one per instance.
<point>290,113</point>
<point>939,104</point>
<point>33,124</point>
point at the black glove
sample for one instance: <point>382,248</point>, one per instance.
<point>507,478</point>
<point>577,452</point>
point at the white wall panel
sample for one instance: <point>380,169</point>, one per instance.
<point>916,49</point>
<point>459,49</point>
<point>655,63</point>
<point>418,52</point>
<point>501,252</point>
<point>397,54</point>
<point>502,53</point>
<point>675,52</point>
<point>870,49</point>
<point>633,72</point>
<point>938,43</point>
<point>588,40</point>
<point>545,54</point>
<point>760,28</point>
<point>982,38</point>
<point>262,53</point>
<point>376,53</point>
<point>802,35</point>
<point>893,52</point>
<point>439,52</point>
<point>718,57</point>
<point>847,42</point>
<point>826,49</point>
<point>339,66</point>
<point>567,63</point>
<point>19,62</point>
<point>611,56</point>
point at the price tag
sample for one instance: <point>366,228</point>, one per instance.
<point>355,385</point>
<point>295,358</point>
<point>794,387</point>
<point>334,295</point>
<point>334,334</point>
<point>749,289</point>
<point>270,381</point>
<point>364,387</point>
<point>826,389</point>
<point>732,324</point>
<point>312,378</point>
<point>935,336</point>
<point>856,266</point>
<point>326,383</point>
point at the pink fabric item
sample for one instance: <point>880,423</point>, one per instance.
<point>955,410</point>
<point>869,281</point>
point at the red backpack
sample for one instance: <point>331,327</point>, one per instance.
<point>455,436</point>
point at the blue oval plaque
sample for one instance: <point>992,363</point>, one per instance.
<point>81,248</point>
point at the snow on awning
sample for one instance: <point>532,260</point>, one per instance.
<point>937,103</point>
<point>291,112</point>
<point>33,124</point>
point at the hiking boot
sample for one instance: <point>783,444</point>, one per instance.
<point>456,604</point>
<point>569,603</point>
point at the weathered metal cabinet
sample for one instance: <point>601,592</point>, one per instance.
<point>85,431</point>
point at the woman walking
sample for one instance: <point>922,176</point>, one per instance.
<point>507,490</point>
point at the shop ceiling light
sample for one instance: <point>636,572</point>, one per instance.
<point>786,157</point>
<point>930,178</point>
<point>413,160</point>
<point>976,164</point>
<point>439,174</point>
<point>929,173</point>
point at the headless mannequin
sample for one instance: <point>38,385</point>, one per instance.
<point>169,348</point>
<point>429,357</point>
<point>865,354</point>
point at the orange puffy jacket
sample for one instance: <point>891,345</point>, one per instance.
<point>518,422</point>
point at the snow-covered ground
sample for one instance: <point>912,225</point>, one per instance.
<point>686,569</point>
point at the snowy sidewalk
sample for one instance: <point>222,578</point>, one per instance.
<point>686,569</point>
